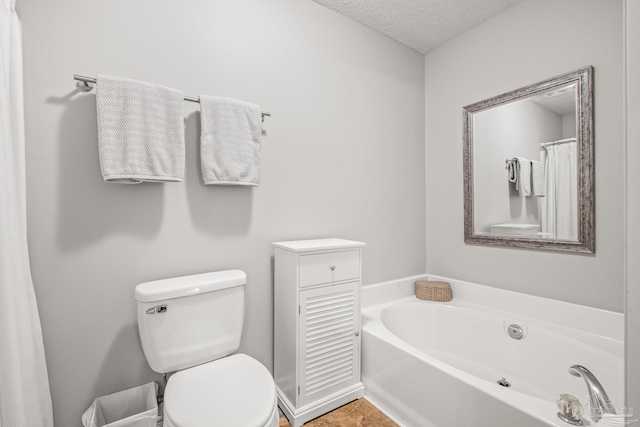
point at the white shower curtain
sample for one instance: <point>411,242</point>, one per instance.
<point>25,400</point>
<point>560,204</point>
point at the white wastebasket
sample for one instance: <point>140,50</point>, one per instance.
<point>135,407</point>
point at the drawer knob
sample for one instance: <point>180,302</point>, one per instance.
<point>333,267</point>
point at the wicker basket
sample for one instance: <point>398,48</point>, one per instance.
<point>433,291</point>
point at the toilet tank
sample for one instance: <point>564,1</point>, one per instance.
<point>190,320</point>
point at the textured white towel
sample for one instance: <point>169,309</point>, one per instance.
<point>537,178</point>
<point>523,184</point>
<point>140,131</point>
<point>519,172</point>
<point>230,141</point>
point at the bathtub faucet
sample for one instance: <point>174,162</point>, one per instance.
<point>600,403</point>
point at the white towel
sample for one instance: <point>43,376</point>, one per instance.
<point>519,172</point>
<point>512,170</point>
<point>537,178</point>
<point>140,131</point>
<point>230,141</point>
<point>523,184</point>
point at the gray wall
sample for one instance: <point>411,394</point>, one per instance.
<point>536,40</point>
<point>343,156</point>
<point>632,127</point>
<point>569,125</point>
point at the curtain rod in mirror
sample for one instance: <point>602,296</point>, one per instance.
<point>560,141</point>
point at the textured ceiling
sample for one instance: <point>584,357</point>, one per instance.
<point>561,101</point>
<point>421,24</point>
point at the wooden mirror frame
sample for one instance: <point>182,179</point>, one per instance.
<point>585,242</point>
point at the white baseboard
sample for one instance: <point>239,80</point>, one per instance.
<point>299,416</point>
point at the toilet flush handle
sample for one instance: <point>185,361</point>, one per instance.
<point>157,309</point>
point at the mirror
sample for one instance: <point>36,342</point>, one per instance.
<point>529,166</point>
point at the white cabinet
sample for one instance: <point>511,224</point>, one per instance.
<point>317,326</point>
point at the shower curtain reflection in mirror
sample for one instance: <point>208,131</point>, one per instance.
<point>559,211</point>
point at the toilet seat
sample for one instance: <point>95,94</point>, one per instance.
<point>233,391</point>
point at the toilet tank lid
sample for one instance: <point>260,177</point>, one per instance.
<point>185,286</point>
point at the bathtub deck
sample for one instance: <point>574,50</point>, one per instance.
<point>359,413</point>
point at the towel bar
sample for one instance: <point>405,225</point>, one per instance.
<point>85,84</point>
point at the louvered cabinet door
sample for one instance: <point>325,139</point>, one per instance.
<point>329,358</point>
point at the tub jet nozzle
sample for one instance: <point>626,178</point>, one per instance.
<point>504,383</point>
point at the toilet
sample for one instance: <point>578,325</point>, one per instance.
<point>192,326</point>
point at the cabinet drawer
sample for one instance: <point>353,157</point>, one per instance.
<point>329,267</point>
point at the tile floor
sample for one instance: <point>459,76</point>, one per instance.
<point>359,413</point>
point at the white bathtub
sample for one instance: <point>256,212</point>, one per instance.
<point>433,364</point>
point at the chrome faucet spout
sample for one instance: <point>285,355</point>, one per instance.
<point>600,402</point>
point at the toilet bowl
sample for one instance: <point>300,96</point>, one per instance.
<point>192,326</point>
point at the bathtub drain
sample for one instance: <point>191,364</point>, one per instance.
<point>504,383</point>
